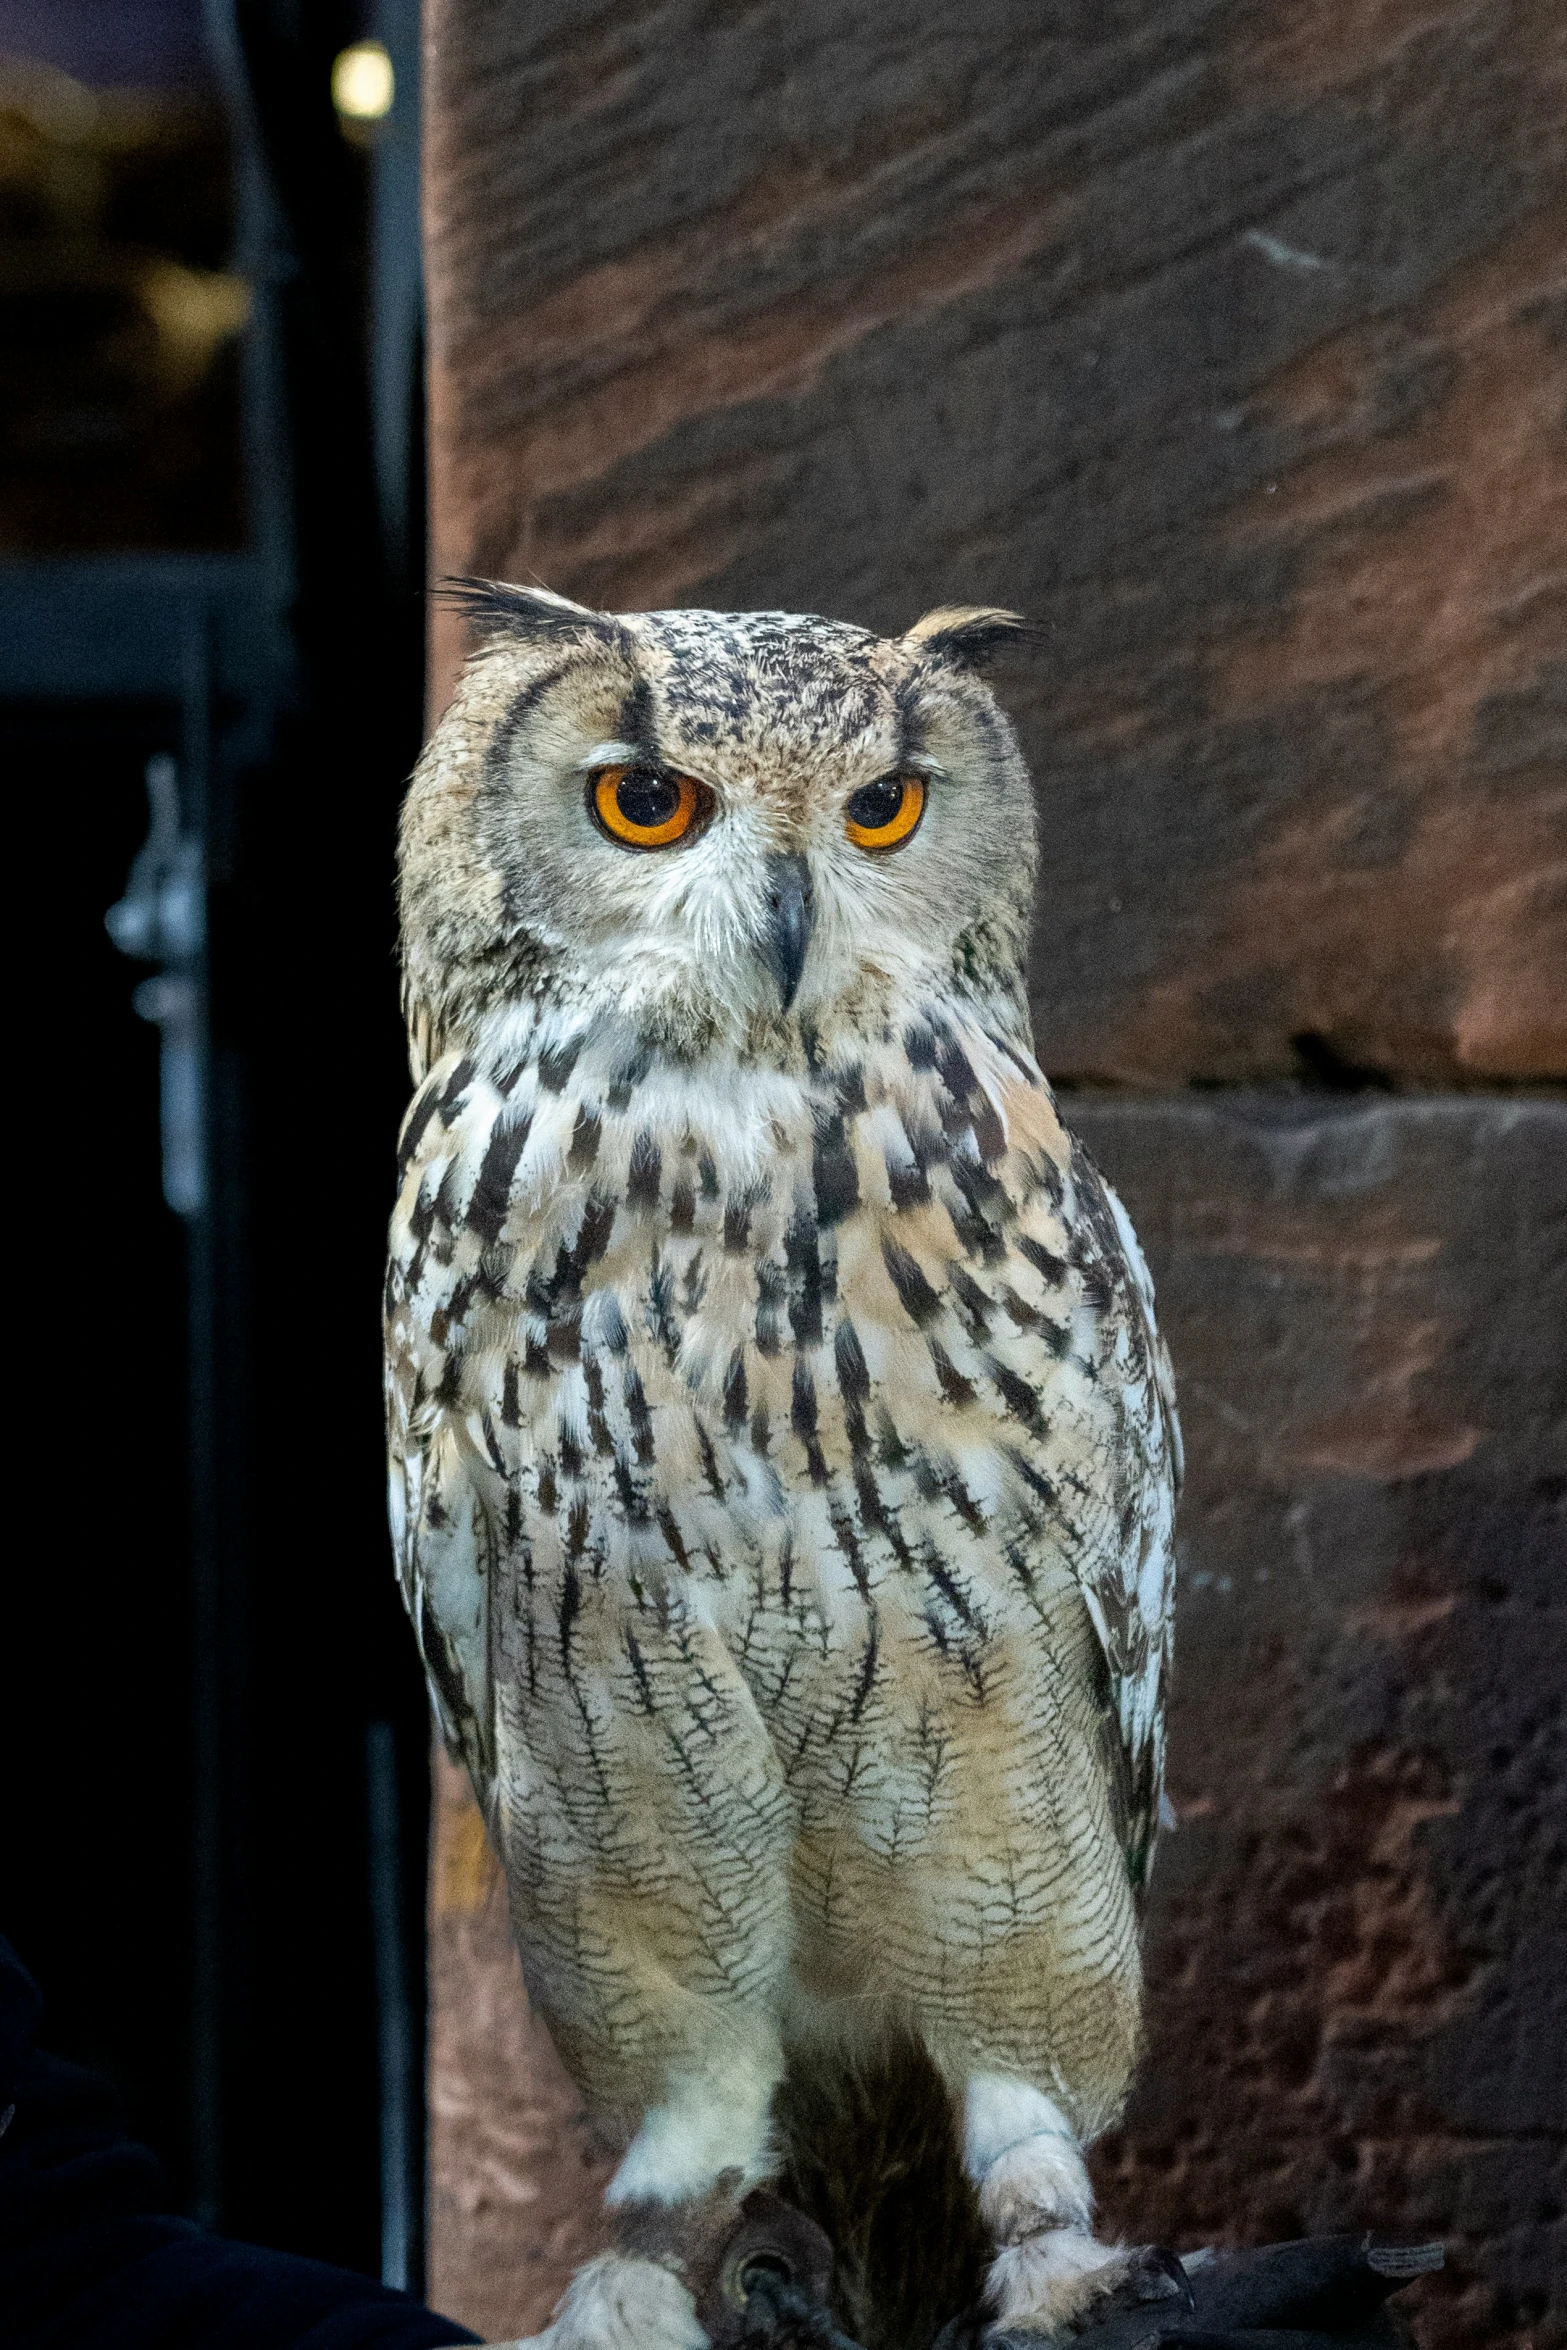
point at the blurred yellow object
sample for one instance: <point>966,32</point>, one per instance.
<point>119,417</point>
<point>363,84</point>
<point>56,106</point>
<point>195,311</point>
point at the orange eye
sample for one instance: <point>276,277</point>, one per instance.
<point>883,815</point>
<point>643,806</point>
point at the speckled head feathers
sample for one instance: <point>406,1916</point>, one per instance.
<point>512,895</point>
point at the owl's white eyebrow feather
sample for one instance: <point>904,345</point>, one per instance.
<point>611,755</point>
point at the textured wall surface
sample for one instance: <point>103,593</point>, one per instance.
<point>1226,342</point>
<point>1229,342</point>
<point>515,2178</point>
<point>1358,1934</point>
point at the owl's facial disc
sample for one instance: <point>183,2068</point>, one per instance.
<point>710,829</point>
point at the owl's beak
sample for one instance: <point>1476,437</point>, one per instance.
<point>791,909</point>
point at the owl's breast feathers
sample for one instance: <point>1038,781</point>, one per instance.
<point>812,1356</point>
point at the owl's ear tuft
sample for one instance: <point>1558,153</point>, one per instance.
<point>972,635</point>
<point>504,608</point>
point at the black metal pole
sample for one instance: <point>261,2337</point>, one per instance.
<point>199,1209</point>
<point>395,2036</point>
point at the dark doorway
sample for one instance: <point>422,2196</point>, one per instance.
<point>206,1663</point>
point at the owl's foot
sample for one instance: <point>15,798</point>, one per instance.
<point>1054,2282</point>
<point>621,2302</point>
<point>1049,2271</point>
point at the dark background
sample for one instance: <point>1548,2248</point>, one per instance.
<point>188,1682</point>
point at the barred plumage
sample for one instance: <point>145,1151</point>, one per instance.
<point>783,1453</point>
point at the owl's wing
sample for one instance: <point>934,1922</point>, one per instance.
<point>1098,1443</point>
<point>1127,1574</point>
<point>442,1538</point>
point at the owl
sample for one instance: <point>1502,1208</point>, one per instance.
<point>783,1456</point>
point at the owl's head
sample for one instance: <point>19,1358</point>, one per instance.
<point>745,831</point>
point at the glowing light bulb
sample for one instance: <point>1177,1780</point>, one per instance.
<point>363,84</point>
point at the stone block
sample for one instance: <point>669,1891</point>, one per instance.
<point>1357,1947</point>
<point>515,2178</point>
<point>1358,1933</point>
<point>1225,341</point>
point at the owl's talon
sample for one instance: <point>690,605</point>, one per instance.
<point>1056,2282</point>
<point>1160,2263</point>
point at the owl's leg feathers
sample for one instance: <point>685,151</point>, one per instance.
<point>1034,2196</point>
<point>675,2198</point>
<point>622,2301</point>
<point>641,2296</point>
<point>704,2130</point>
